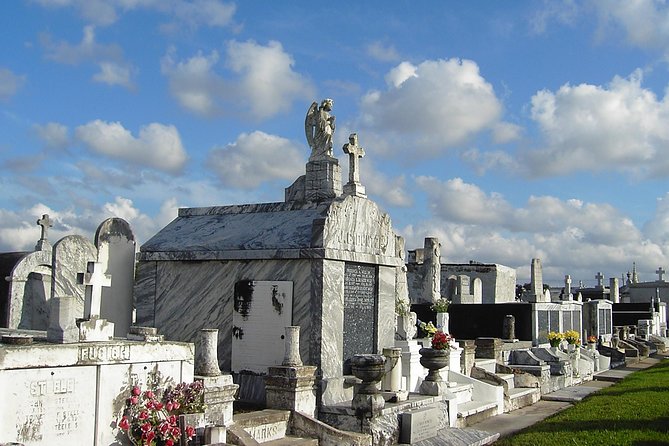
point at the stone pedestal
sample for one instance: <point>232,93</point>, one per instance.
<point>355,189</point>
<point>489,348</point>
<point>95,329</point>
<point>62,321</point>
<point>206,353</point>
<point>219,394</point>
<point>412,371</point>
<point>323,179</point>
<point>291,388</point>
<point>468,356</point>
<point>146,334</point>
<point>369,368</point>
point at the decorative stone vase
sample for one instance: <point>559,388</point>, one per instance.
<point>571,348</point>
<point>592,346</point>
<point>554,349</point>
<point>434,360</point>
<point>370,369</point>
<point>442,321</point>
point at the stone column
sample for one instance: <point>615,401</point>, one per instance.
<point>392,380</point>
<point>614,291</point>
<point>219,390</point>
<point>206,353</point>
<point>291,357</point>
<point>467,359</point>
<point>432,268</point>
<point>509,327</point>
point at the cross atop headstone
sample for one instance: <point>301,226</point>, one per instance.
<point>46,223</point>
<point>600,280</point>
<point>95,280</point>
<point>354,152</point>
<point>567,287</point>
<point>660,273</point>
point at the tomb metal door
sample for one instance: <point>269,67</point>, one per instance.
<point>261,311</point>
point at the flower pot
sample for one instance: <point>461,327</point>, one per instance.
<point>592,346</point>
<point>434,360</point>
<point>370,369</point>
<point>442,321</point>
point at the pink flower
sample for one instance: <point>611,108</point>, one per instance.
<point>176,432</point>
<point>158,406</point>
<point>164,428</point>
<point>190,431</point>
<point>148,436</point>
<point>176,405</point>
<point>172,419</point>
<point>146,427</point>
<point>149,394</point>
<point>169,443</point>
<point>143,415</point>
<point>124,423</point>
<point>169,406</point>
<point>134,400</point>
<point>136,391</point>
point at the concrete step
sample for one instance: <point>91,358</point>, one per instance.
<point>462,392</point>
<point>264,425</point>
<point>508,377</point>
<point>521,397</point>
<point>293,441</point>
<point>474,411</point>
<point>487,364</point>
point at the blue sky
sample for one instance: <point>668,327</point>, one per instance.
<point>510,130</point>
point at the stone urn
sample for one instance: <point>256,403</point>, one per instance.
<point>434,360</point>
<point>370,369</point>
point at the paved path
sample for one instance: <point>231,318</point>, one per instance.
<point>552,403</point>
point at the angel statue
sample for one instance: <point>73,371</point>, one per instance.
<point>319,125</point>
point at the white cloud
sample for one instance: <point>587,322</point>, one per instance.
<point>392,190</point>
<point>561,11</point>
<point>255,158</point>
<point>586,127</point>
<point>53,134</point>
<point>571,236</point>
<point>114,74</point>
<point>382,53</point>
<point>430,107</point>
<point>157,145</point>
<point>644,22</point>
<point>212,13</point>
<point>9,83</point>
<point>493,160</point>
<point>114,70</point>
<point>263,82</point>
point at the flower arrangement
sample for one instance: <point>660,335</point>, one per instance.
<point>153,421</point>
<point>440,305</point>
<point>401,307</point>
<point>185,398</point>
<point>572,337</point>
<point>428,329</point>
<point>441,340</point>
<point>554,338</point>
<point>592,339</point>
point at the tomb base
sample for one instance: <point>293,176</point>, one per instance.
<point>219,394</point>
<point>368,405</point>
<point>96,330</point>
<point>291,388</point>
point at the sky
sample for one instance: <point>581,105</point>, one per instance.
<point>509,130</point>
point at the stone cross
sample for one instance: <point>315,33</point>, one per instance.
<point>567,287</point>
<point>355,152</point>
<point>660,273</point>
<point>600,280</point>
<point>94,280</point>
<point>46,223</point>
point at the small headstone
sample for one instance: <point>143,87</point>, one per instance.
<point>537,281</point>
<point>62,321</point>
<point>660,274</point>
<point>600,280</point>
<point>509,327</point>
<point>71,255</point>
<point>419,424</point>
<point>146,334</point>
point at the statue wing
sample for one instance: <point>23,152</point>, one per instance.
<point>310,123</point>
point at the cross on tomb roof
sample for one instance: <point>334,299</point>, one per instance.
<point>46,223</point>
<point>95,280</point>
<point>355,152</point>
<point>600,280</point>
<point>660,273</point>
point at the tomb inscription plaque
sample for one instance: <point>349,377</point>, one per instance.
<point>360,305</point>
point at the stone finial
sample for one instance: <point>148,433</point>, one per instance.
<point>292,344</point>
<point>43,243</point>
<point>354,152</point>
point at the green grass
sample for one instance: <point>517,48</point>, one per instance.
<point>634,411</point>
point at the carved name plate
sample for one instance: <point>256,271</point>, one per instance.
<point>360,305</point>
<point>419,424</point>
<point>48,405</point>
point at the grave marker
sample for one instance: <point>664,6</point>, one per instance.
<point>360,289</point>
